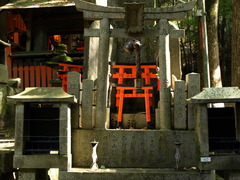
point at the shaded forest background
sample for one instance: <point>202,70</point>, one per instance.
<point>191,56</point>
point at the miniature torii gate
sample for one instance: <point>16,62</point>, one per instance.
<point>162,15</point>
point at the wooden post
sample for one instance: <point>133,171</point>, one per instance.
<point>101,104</point>
<point>165,75</point>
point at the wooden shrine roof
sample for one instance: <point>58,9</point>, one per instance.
<point>24,4</point>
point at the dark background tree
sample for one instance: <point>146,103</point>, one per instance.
<point>236,44</point>
<point>212,31</point>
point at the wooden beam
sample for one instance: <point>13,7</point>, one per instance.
<point>148,33</point>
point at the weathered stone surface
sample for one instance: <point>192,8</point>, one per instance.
<point>3,74</point>
<point>74,80</point>
<point>64,129</point>
<point>92,60</point>
<point>130,120</point>
<point>41,94</point>
<point>165,75</point>
<point>19,128</point>
<point>180,105</point>
<point>133,148</point>
<point>102,80</point>
<point>27,175</point>
<point>133,174</point>
<point>193,88</point>
<point>228,162</point>
<point>87,104</point>
<point>74,86</point>
<point>215,95</point>
<point>201,129</point>
<point>40,161</point>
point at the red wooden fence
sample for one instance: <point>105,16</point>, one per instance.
<point>32,76</point>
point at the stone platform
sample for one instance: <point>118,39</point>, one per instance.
<point>133,174</point>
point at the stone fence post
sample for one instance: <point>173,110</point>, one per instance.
<point>74,86</point>
<point>193,88</point>
<point>87,104</point>
<point>179,111</point>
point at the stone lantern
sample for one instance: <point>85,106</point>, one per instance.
<point>43,128</point>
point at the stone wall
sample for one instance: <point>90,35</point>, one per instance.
<point>133,148</point>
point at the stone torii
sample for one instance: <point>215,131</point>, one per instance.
<point>163,33</point>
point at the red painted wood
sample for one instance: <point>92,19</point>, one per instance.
<point>32,76</point>
<point>26,77</point>
<point>44,76</point>
<point>8,60</point>
<point>20,75</point>
<point>49,76</point>
<point>38,76</point>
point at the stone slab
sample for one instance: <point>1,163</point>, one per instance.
<point>131,120</point>
<point>222,162</point>
<point>133,174</point>
<point>87,104</point>
<point>133,148</point>
<point>193,88</point>
<point>216,95</point>
<point>40,161</point>
<point>180,105</point>
<point>41,94</point>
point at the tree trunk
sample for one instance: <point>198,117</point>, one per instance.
<point>236,44</point>
<point>213,49</point>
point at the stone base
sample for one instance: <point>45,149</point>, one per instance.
<point>133,148</point>
<point>6,161</point>
<point>133,174</point>
<point>132,121</point>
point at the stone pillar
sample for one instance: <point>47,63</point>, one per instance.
<point>101,104</point>
<point>179,105</point>
<point>74,85</point>
<point>201,120</point>
<point>193,88</point>
<point>165,75</point>
<point>19,127</point>
<point>87,104</point>
<point>65,132</point>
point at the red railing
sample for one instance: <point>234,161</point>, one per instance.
<point>31,76</point>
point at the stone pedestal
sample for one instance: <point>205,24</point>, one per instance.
<point>33,174</point>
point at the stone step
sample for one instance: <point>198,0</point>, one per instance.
<point>132,174</point>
